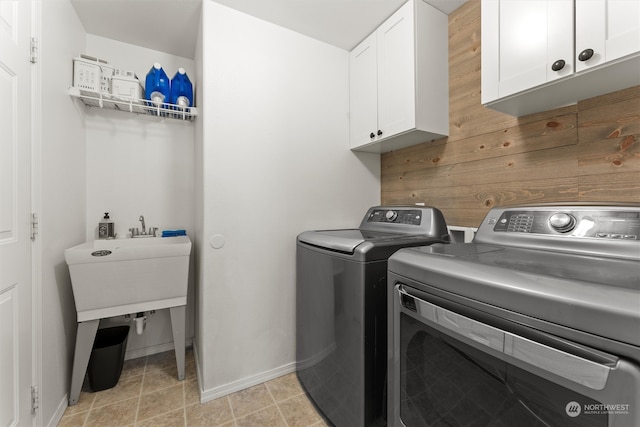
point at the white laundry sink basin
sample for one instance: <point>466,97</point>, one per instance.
<point>122,276</point>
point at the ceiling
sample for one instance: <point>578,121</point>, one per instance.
<point>171,25</point>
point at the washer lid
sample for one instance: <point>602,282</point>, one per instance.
<point>345,241</point>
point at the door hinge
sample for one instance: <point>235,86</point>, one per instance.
<point>34,50</point>
<point>34,226</point>
<point>35,399</point>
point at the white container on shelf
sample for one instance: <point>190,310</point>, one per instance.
<point>105,78</point>
<point>87,73</point>
<point>92,74</point>
<point>125,84</point>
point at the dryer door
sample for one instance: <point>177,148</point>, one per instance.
<point>455,366</point>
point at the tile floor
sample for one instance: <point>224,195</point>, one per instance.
<point>149,395</point>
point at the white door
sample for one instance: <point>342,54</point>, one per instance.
<point>396,73</point>
<point>15,195</point>
<point>363,93</point>
<point>609,28</point>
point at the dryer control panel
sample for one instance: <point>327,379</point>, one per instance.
<point>611,230</point>
<point>575,223</point>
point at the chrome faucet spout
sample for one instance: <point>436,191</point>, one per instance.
<point>141,219</point>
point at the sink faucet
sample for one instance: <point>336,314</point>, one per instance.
<point>141,219</point>
<point>135,232</point>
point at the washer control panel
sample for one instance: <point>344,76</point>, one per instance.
<point>396,216</point>
<point>408,219</point>
<point>602,224</point>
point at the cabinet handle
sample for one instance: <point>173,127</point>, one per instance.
<point>558,65</point>
<point>585,55</point>
<point>379,132</point>
<point>372,135</point>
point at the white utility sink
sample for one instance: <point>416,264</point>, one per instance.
<point>123,276</point>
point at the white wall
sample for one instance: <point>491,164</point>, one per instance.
<point>199,202</point>
<point>63,199</point>
<point>276,161</point>
<point>94,161</point>
<point>140,165</point>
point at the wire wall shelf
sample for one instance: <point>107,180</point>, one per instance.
<point>133,105</point>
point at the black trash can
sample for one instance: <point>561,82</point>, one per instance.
<point>107,357</point>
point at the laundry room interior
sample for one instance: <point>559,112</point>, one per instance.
<point>267,157</point>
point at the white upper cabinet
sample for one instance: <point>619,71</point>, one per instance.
<point>363,92</point>
<point>606,30</point>
<point>529,35</point>
<point>396,75</point>
<point>399,92</point>
<point>534,58</point>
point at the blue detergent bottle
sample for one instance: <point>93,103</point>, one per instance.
<point>157,85</point>
<point>181,89</point>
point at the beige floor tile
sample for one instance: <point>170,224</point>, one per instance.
<point>268,417</point>
<point>285,387</point>
<point>190,366</point>
<point>159,378</point>
<point>149,394</point>
<point>125,389</point>
<point>250,400</point>
<point>161,401</point>
<point>299,412</point>
<point>133,367</point>
<point>167,361</point>
<point>163,360</point>
<point>213,413</point>
<point>73,420</point>
<point>85,401</point>
<point>172,419</point>
<point>118,414</point>
<point>191,392</point>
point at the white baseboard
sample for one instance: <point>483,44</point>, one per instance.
<point>198,372</point>
<point>223,390</point>
<point>159,348</point>
<point>57,415</point>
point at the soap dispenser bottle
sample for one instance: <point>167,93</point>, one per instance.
<point>106,228</point>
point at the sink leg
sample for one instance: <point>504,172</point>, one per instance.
<point>178,317</point>
<point>85,336</point>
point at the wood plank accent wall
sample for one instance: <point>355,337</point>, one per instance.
<point>587,152</point>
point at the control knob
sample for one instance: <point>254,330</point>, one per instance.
<point>562,222</point>
<point>391,215</point>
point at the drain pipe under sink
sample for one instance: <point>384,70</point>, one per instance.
<point>141,322</point>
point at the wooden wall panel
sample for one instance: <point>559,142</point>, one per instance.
<point>551,132</point>
<point>481,196</point>
<point>611,156</point>
<point>584,152</point>
<point>614,187</point>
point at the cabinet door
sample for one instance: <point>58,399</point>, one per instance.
<point>396,73</point>
<point>611,28</point>
<point>533,35</point>
<point>363,99</point>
